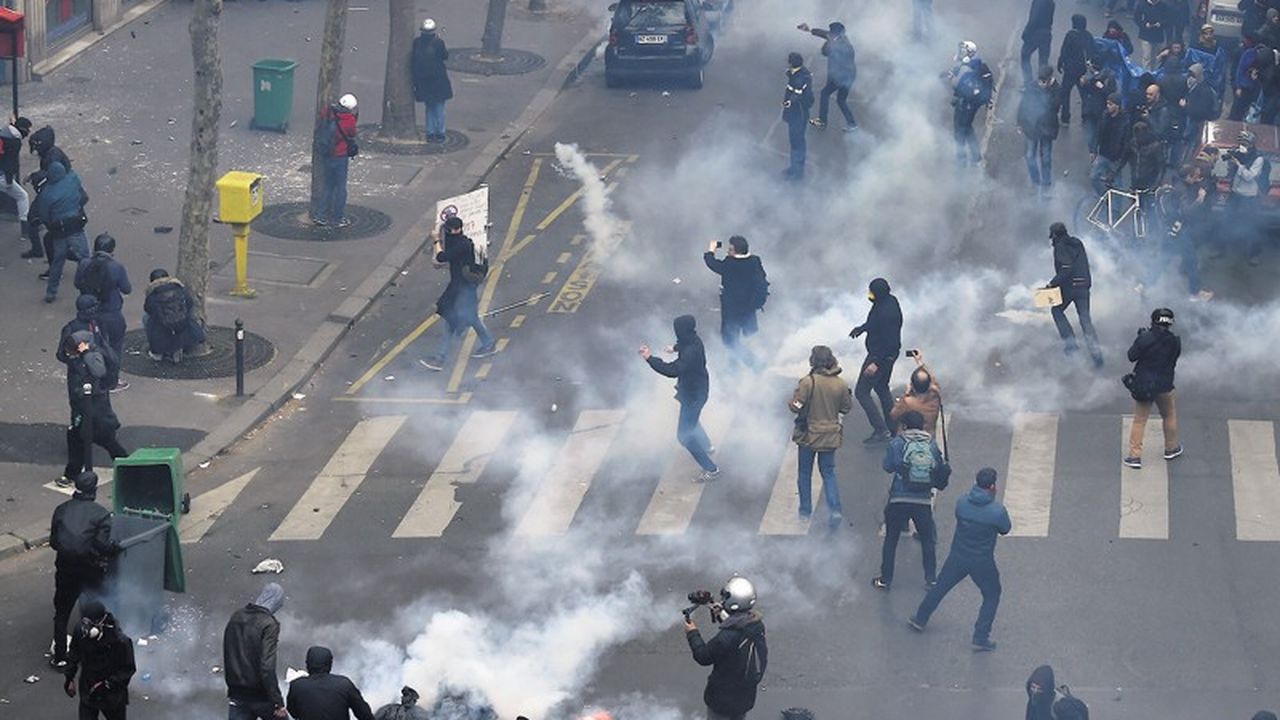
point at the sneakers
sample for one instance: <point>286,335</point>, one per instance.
<point>64,482</point>
<point>879,583</point>
<point>486,351</point>
<point>57,663</point>
<point>707,476</point>
<point>876,437</point>
<point>319,223</point>
<point>1133,462</point>
<point>155,357</point>
<point>120,387</point>
<point>433,364</point>
<point>915,624</point>
<point>1171,454</point>
<point>343,223</point>
<point>851,128</point>
<point>834,521</point>
<point>818,123</point>
<point>983,645</point>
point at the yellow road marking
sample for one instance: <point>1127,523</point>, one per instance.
<point>517,321</point>
<point>577,240</point>
<point>391,355</point>
<point>462,399</point>
<point>483,372</point>
<point>575,288</point>
<point>524,242</point>
<point>549,278</point>
<point>564,258</point>
<point>569,201</point>
<point>502,343</point>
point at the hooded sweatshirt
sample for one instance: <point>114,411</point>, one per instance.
<point>823,396</point>
<point>321,695</point>
<point>734,651</point>
<point>80,531</point>
<point>979,520</point>
<point>116,280</point>
<point>1071,264</point>
<point>1155,353</point>
<point>690,366</point>
<point>249,649</point>
<point>61,199</point>
<point>884,324</point>
<point>43,142</point>
<point>107,660</point>
<point>1040,701</point>
<point>901,491</point>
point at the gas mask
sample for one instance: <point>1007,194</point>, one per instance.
<point>94,629</point>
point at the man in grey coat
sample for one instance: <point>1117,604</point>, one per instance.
<point>842,70</point>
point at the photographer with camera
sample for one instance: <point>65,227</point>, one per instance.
<point>1250,182</point>
<point>1155,354</point>
<point>738,654</point>
<point>744,289</point>
<point>923,395</point>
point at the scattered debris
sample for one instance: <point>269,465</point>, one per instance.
<point>163,229</point>
<point>32,679</point>
<point>666,93</point>
<point>270,565</point>
<point>146,677</point>
<point>142,642</point>
<point>234,123</point>
<point>215,670</point>
<point>390,378</point>
<point>135,142</point>
<point>299,396</point>
<point>675,280</point>
<point>204,464</point>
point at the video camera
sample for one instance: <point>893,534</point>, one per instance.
<point>700,598</point>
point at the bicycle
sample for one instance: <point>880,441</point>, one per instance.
<point>1124,214</point>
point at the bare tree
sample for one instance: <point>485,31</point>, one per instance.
<point>331,53</point>
<point>197,206</point>
<point>398,107</point>
<point>491,43</point>
<point>537,5</point>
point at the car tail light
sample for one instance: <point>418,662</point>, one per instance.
<point>690,35</point>
<point>613,38</point>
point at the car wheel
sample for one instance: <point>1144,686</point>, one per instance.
<point>711,49</point>
<point>695,79</point>
<point>611,80</point>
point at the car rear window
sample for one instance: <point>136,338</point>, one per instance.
<point>651,14</point>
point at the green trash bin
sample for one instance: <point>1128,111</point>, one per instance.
<point>150,485</point>
<point>272,94</point>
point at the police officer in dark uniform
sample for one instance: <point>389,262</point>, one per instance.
<point>797,99</point>
<point>81,536</point>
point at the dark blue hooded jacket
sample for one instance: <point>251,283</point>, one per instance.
<point>62,197</point>
<point>117,285</point>
<point>690,366</point>
<point>979,520</point>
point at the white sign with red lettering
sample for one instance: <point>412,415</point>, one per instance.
<point>473,208</point>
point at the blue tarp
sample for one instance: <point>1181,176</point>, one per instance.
<point>1112,56</point>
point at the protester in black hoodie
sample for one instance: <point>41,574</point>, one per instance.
<point>103,656</point>
<point>80,534</point>
<point>321,695</point>
<point>692,387</point>
<point>43,142</point>
<point>1037,35</point>
<point>1072,276</point>
<point>1155,354</point>
<point>1040,687</point>
<point>93,421</point>
<point>1073,57</point>
<point>883,328</point>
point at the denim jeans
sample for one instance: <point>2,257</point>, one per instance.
<point>1102,173</point>
<point>691,435</point>
<point>1080,297</point>
<point>733,330</point>
<point>244,710</point>
<point>879,382</point>
<point>896,517</point>
<point>74,247</point>
<point>435,118</point>
<point>804,479</point>
<point>1184,247</point>
<point>842,102</point>
<point>1039,156</point>
<point>464,315</point>
<point>962,124</point>
<point>922,17</point>
<point>1091,123</point>
<point>797,120</point>
<point>984,574</point>
<point>333,207</point>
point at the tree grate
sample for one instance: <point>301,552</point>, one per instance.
<point>511,62</point>
<point>453,141</point>
<point>219,363</point>
<point>292,221</point>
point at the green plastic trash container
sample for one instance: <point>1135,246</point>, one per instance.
<point>272,94</point>
<point>150,485</point>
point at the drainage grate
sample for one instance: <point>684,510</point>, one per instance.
<point>220,362</point>
<point>511,62</point>
<point>292,221</point>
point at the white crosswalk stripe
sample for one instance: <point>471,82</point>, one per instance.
<point>1255,479</point>
<point>561,493</point>
<point>674,502</point>
<point>1144,494</point>
<point>782,516</point>
<point>462,464</point>
<point>339,479</point>
<point>1028,483</point>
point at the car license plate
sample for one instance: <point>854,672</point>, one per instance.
<point>651,39</point>
<point>1225,19</point>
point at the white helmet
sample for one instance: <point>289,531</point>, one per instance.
<point>967,50</point>
<point>428,25</point>
<point>738,595</point>
<point>348,101</point>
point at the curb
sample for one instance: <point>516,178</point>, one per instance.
<point>79,46</point>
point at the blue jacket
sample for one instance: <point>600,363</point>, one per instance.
<point>117,286</point>
<point>62,198</point>
<point>979,519</point>
<point>900,491</point>
<point>842,68</point>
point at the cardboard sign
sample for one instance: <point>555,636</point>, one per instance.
<point>473,208</point>
<point>1047,297</point>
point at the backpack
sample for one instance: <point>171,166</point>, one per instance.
<point>760,292</point>
<point>1264,178</point>
<point>97,278</point>
<point>1068,706</point>
<point>752,665</point>
<point>975,85</point>
<point>476,272</point>
<point>325,140</point>
<point>918,464</point>
<point>172,308</point>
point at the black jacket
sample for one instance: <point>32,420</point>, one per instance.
<point>322,695</point>
<point>1071,265</point>
<point>1115,137</point>
<point>1093,99</point>
<point>1039,22</point>
<point>1038,111</point>
<point>249,656</point>
<point>89,369</point>
<point>883,328</point>
<point>43,143</point>
<point>797,98</point>
<point>1077,46</point>
<point>1155,353</point>
<point>458,252</point>
<point>731,690</point>
<point>1040,701</point>
<point>1151,18</point>
<point>1201,102</point>
<point>430,77</point>
<point>741,279</point>
<point>1148,162</point>
<point>81,531</point>
<point>690,366</point>
<point>107,660</point>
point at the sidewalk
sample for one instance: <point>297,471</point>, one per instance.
<point>122,113</point>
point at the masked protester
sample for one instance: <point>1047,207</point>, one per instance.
<point>738,654</point>
<point>406,709</point>
<point>820,402</point>
<point>321,695</point>
<point>80,534</point>
<point>93,421</point>
<point>459,304</point>
<point>1154,353</point>
<point>693,386</point>
<point>1250,183</point>
<point>797,100</point>
<point>102,655</point>
<point>1073,62</point>
<point>249,658</point>
<point>105,278</point>
<point>1040,694</point>
<point>883,329</point>
<point>1072,276</point>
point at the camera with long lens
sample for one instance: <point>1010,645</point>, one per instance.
<point>701,598</point>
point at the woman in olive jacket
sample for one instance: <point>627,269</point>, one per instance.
<point>820,402</point>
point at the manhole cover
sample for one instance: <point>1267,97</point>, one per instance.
<point>292,221</point>
<point>220,362</point>
<point>511,62</point>
<point>453,141</point>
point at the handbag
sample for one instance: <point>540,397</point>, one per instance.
<point>1139,391</point>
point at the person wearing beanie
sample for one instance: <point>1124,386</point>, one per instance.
<point>105,278</point>
<point>1073,63</point>
<point>842,70</point>
<point>883,328</point>
<point>102,655</point>
<point>431,85</point>
<point>406,709</point>
<point>980,520</point>
<point>93,421</point>
<point>249,658</point>
<point>459,304</point>
<point>80,534</point>
<point>820,401</point>
<point>1154,353</point>
<point>1072,276</point>
<point>322,695</point>
<point>693,385</point>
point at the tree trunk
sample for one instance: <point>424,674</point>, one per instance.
<point>491,43</point>
<point>197,206</point>
<point>537,5</point>
<point>398,106</point>
<point>327,87</point>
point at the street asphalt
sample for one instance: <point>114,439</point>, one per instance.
<point>523,524</point>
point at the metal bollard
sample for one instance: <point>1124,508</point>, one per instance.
<point>239,357</point>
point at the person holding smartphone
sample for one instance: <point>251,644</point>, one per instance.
<point>744,288</point>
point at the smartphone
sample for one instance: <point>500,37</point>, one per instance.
<point>913,353</point>
<point>719,244</point>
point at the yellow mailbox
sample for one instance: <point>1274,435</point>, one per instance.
<point>239,197</point>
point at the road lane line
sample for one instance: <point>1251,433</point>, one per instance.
<point>207,508</point>
<point>1255,478</point>
<point>405,342</point>
<point>1028,483</point>
<point>782,515</point>
<point>569,201</point>
<point>463,463</point>
<point>1144,494</point>
<point>676,497</point>
<point>561,493</point>
<point>339,479</point>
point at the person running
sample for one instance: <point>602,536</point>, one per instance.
<point>692,388</point>
<point>459,304</point>
<point>883,329</point>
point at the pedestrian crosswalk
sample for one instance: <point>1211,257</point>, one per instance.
<point>554,496</point>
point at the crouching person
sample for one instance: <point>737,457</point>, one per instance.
<point>169,319</point>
